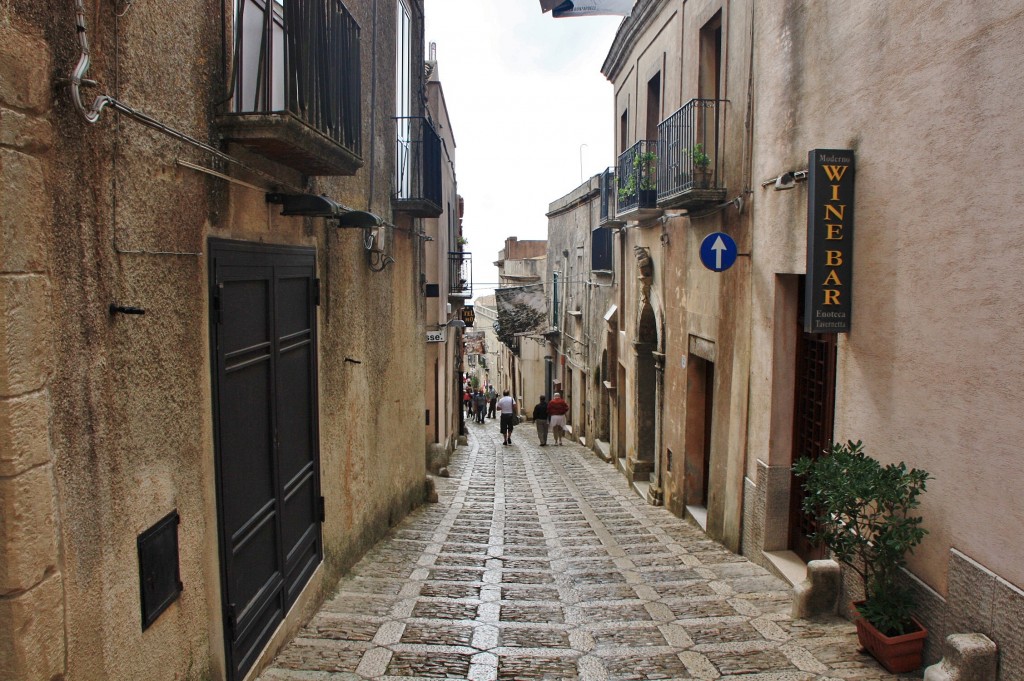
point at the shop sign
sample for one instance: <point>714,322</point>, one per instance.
<point>469,315</point>
<point>829,288</point>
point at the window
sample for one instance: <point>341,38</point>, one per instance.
<point>601,249</point>
<point>555,302</point>
<point>403,98</point>
<point>624,131</point>
<point>653,106</point>
<point>280,69</point>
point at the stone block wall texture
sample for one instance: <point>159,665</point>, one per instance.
<point>31,585</point>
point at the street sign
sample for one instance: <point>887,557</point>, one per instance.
<point>439,336</point>
<point>718,251</point>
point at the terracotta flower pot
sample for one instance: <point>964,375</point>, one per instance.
<point>898,654</point>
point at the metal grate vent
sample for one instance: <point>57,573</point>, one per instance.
<point>159,576</point>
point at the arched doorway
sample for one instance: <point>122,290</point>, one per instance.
<point>645,387</point>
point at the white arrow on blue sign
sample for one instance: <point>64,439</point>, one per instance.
<point>718,251</point>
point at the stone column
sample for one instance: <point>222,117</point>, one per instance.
<point>656,493</point>
<point>31,587</point>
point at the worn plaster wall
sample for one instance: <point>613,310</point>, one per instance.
<point>923,93</point>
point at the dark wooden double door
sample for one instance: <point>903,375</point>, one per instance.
<point>263,334</point>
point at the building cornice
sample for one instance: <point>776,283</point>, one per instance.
<point>626,37</point>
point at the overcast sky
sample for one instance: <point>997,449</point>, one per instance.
<point>524,92</point>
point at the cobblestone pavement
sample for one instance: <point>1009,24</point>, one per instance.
<point>541,564</point>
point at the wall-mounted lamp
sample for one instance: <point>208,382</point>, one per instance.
<point>786,180</point>
<point>454,324</point>
<point>359,218</point>
<point>307,205</point>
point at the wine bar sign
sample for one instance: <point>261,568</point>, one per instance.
<point>828,295</point>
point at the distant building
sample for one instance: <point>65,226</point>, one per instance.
<point>581,275</point>
<point>521,269</point>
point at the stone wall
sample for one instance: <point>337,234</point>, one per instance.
<point>31,583</point>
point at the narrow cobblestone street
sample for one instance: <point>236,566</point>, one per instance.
<point>540,563</point>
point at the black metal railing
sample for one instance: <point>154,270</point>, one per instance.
<point>418,162</point>
<point>637,174</point>
<point>460,274</point>
<point>300,57</point>
<point>688,153</point>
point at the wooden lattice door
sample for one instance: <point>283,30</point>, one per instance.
<point>813,421</point>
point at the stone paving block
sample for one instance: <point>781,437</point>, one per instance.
<point>554,570</point>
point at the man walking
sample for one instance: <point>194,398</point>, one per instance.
<point>540,417</point>
<point>479,405</point>
<point>507,407</point>
<point>492,401</point>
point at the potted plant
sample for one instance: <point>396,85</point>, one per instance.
<point>701,166</point>
<point>645,165</point>
<point>863,512</point>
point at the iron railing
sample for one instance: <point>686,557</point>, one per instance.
<point>688,153</point>
<point>460,274</point>
<point>637,174</point>
<point>418,164</point>
<point>300,57</point>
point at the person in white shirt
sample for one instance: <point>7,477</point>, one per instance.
<point>508,408</point>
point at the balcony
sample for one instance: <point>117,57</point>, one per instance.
<point>460,275</point>
<point>418,155</point>
<point>637,186</point>
<point>295,85</point>
<point>608,198</point>
<point>689,162</point>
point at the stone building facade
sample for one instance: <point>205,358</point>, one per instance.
<point>444,269</point>
<point>680,72</point>
<point>205,404</point>
<point>718,368</point>
<point>581,277</point>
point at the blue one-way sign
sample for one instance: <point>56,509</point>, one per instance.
<point>718,251</point>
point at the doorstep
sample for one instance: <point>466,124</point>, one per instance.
<point>787,565</point>
<point>699,515</point>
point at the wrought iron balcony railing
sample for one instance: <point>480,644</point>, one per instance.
<point>296,84</point>
<point>637,186</point>
<point>689,168</point>
<point>418,167</point>
<point>460,274</point>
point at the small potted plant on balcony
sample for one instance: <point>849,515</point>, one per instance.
<point>701,166</point>
<point>646,166</point>
<point>863,515</point>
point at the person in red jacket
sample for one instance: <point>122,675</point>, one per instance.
<point>557,409</point>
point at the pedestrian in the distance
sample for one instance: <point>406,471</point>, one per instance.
<point>467,402</point>
<point>557,409</point>
<point>492,401</point>
<point>507,406</point>
<point>540,417</point>
<point>479,405</point>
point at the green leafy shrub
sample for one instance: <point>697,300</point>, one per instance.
<point>863,513</point>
